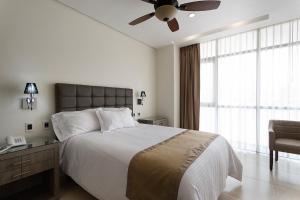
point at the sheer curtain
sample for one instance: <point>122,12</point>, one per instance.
<point>280,75</point>
<point>207,87</point>
<point>248,79</point>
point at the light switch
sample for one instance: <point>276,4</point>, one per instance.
<point>28,127</point>
<point>46,125</point>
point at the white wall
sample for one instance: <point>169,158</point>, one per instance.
<point>176,86</point>
<point>168,84</point>
<point>46,42</point>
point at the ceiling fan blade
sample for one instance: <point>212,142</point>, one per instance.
<point>150,1</point>
<point>200,6</point>
<point>173,25</point>
<point>142,19</point>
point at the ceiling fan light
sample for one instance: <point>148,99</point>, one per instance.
<point>192,15</point>
<point>166,12</point>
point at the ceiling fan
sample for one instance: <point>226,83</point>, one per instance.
<point>165,10</point>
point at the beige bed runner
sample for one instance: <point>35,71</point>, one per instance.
<point>156,172</point>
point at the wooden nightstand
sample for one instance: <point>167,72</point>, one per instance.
<point>161,121</point>
<point>23,166</point>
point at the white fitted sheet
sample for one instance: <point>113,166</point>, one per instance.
<point>98,162</point>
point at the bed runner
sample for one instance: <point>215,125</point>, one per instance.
<point>155,173</point>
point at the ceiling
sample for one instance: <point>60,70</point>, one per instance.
<point>118,13</point>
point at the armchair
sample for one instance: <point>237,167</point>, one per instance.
<point>284,136</point>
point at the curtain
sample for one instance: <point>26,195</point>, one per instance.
<point>279,72</point>
<point>255,78</point>
<point>190,87</point>
<point>237,59</point>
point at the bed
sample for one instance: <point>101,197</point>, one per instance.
<point>99,162</point>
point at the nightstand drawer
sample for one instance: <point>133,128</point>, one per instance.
<point>31,165</point>
<point>37,162</point>
<point>37,157</point>
<point>10,176</point>
<point>161,122</point>
<point>37,167</point>
<point>10,164</point>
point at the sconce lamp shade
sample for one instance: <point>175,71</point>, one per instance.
<point>143,94</point>
<point>31,88</point>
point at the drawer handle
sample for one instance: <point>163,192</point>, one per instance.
<point>16,176</point>
<point>28,172</point>
<point>15,164</point>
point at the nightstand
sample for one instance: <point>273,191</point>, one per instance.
<point>23,167</point>
<point>161,121</point>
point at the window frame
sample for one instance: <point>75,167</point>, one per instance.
<point>258,50</point>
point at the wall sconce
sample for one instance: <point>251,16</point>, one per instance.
<point>30,89</point>
<point>142,98</point>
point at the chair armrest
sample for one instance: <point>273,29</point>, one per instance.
<point>271,122</point>
<point>272,135</point>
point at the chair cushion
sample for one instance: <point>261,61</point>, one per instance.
<point>287,145</point>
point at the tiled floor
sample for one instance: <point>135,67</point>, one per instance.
<point>258,182</point>
<point>261,184</point>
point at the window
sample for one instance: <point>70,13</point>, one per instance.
<point>207,92</point>
<point>248,79</point>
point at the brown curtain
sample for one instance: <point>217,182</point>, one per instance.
<point>190,87</point>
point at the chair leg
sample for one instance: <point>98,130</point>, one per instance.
<point>271,160</point>
<point>276,156</point>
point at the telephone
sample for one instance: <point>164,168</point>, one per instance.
<point>13,141</point>
<point>16,140</point>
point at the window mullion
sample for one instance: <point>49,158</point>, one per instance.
<point>258,87</point>
<point>216,87</point>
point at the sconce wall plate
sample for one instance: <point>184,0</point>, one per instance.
<point>141,99</point>
<point>26,106</point>
<point>140,102</point>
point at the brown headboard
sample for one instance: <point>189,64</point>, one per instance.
<point>70,97</point>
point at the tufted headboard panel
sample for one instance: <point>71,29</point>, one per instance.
<point>70,97</point>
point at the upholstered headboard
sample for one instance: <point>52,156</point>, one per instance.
<point>70,97</point>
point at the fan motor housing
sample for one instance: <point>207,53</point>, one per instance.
<point>165,10</point>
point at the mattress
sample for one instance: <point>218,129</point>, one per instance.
<point>99,162</point>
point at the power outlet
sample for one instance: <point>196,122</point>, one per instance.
<point>28,127</point>
<point>46,124</point>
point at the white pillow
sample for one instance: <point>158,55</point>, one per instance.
<point>114,119</point>
<point>66,124</point>
<point>112,109</point>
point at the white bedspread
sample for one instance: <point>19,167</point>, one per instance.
<point>99,162</point>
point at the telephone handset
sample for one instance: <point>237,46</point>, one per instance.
<point>16,141</point>
<point>13,141</point>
